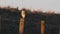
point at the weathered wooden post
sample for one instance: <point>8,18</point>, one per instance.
<point>43,17</point>
<point>21,25</point>
<point>42,26</point>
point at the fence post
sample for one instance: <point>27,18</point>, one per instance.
<point>42,26</point>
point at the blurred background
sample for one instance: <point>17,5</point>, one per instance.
<point>44,5</point>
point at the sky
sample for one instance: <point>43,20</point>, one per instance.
<point>53,5</point>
